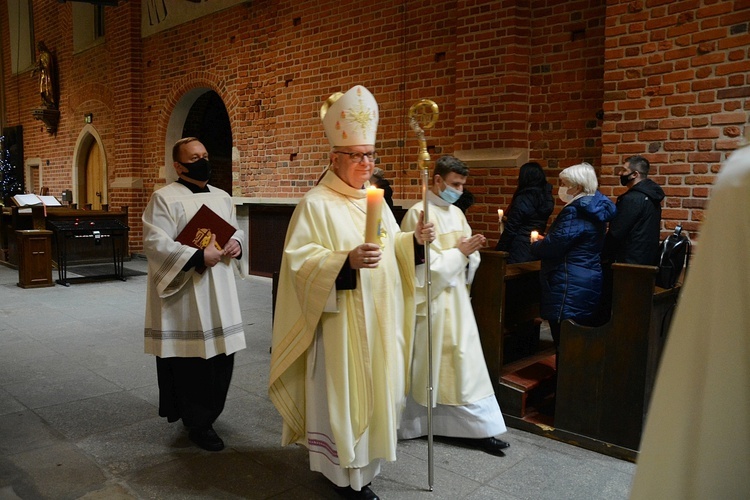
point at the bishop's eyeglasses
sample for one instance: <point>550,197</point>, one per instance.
<point>357,157</point>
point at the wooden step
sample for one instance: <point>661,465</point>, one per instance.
<point>526,383</point>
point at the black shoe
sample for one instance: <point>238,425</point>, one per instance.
<point>351,494</point>
<point>206,438</point>
<point>490,445</point>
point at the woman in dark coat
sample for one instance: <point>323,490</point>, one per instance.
<point>529,210</point>
<point>571,269</point>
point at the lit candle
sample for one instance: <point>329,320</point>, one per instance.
<point>534,236</point>
<point>374,212</point>
<point>500,214</point>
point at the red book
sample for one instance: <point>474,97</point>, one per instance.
<point>198,231</point>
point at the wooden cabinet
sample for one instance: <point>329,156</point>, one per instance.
<point>34,258</point>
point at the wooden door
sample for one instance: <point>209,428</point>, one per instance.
<point>95,193</point>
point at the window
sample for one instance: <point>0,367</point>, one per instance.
<point>88,25</point>
<point>22,51</point>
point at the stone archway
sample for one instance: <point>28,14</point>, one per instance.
<point>201,113</point>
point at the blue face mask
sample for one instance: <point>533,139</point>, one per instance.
<point>449,194</point>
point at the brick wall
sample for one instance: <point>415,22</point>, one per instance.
<point>670,77</point>
<point>676,91</point>
<point>104,81</point>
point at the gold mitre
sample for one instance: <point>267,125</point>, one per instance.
<point>350,119</point>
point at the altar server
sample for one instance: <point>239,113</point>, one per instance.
<point>344,312</point>
<point>463,398</point>
<point>696,443</point>
<point>193,322</point>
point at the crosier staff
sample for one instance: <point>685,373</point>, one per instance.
<point>423,115</point>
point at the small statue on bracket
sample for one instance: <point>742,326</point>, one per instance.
<point>48,112</point>
<point>45,66</point>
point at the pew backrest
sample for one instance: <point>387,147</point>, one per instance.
<point>606,373</point>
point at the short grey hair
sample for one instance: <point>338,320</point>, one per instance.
<point>582,175</point>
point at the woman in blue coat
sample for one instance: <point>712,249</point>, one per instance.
<point>571,268</point>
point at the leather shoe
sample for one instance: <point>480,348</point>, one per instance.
<point>491,445</point>
<point>206,438</point>
<point>351,494</point>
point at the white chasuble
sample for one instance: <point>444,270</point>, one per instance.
<point>366,335</point>
<point>188,314</point>
<point>696,441</point>
<point>459,371</point>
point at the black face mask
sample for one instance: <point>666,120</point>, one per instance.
<point>198,170</point>
<point>625,179</point>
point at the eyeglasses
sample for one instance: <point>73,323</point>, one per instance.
<point>356,157</point>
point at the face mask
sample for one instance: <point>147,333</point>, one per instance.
<point>198,170</point>
<point>625,178</point>
<point>562,193</point>
<point>449,194</point>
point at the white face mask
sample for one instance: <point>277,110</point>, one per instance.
<point>562,193</point>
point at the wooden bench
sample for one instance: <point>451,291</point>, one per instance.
<point>606,374</point>
<point>599,398</point>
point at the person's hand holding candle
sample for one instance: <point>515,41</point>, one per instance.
<point>365,256</point>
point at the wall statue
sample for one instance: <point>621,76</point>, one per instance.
<point>45,66</point>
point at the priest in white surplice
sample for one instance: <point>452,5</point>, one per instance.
<point>696,442</point>
<point>193,322</point>
<point>344,312</point>
<point>465,407</point>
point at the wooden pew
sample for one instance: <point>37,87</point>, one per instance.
<point>606,373</point>
<point>505,299</point>
<point>598,400</point>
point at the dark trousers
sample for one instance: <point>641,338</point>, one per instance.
<point>193,389</point>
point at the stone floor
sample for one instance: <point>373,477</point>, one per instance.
<point>78,418</point>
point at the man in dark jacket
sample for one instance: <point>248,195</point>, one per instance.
<point>634,233</point>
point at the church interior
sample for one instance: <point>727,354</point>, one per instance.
<point>93,94</point>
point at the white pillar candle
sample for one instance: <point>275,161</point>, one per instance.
<point>374,211</point>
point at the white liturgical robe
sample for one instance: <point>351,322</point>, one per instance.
<point>365,332</point>
<point>696,443</point>
<point>188,314</point>
<point>462,390</point>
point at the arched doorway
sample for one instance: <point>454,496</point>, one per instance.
<point>92,186</point>
<point>90,171</point>
<point>201,113</point>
